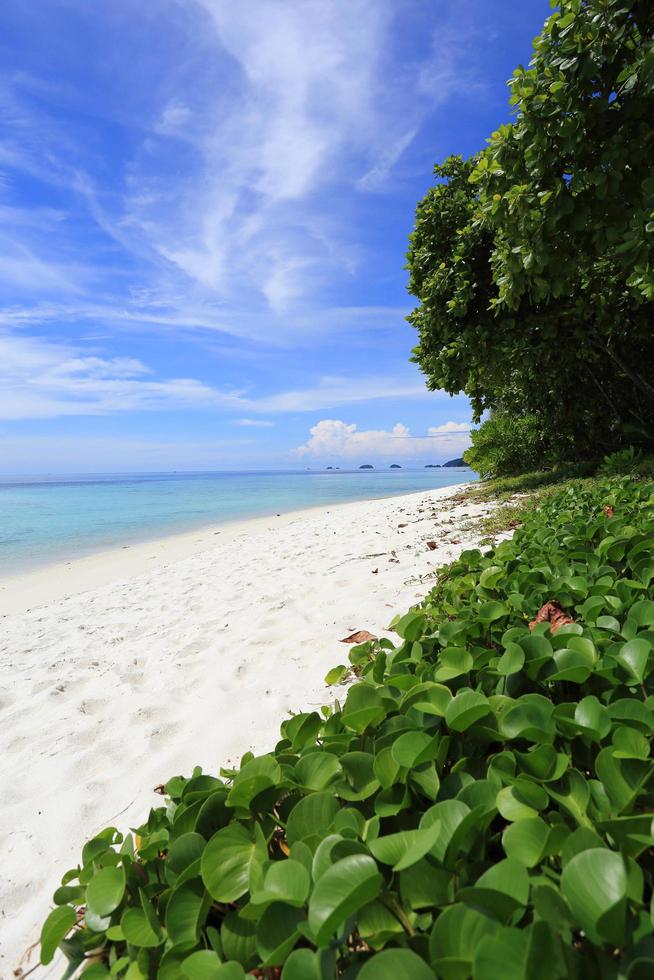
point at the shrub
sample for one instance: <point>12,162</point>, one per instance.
<point>622,463</point>
<point>481,804</point>
<point>504,445</point>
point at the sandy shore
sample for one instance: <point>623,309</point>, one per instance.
<point>121,670</point>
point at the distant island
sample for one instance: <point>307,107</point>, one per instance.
<point>366,466</point>
<point>395,466</point>
<point>455,462</point>
<point>433,466</point>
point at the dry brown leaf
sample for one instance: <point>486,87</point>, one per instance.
<point>402,525</point>
<point>361,636</point>
<point>551,613</point>
<point>432,545</point>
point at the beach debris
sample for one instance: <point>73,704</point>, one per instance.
<point>160,789</point>
<point>359,636</point>
<point>432,545</point>
<point>551,613</point>
<point>402,525</point>
<point>608,510</point>
<point>375,571</point>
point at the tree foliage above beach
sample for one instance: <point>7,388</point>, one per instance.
<point>533,262</point>
<point>478,805</point>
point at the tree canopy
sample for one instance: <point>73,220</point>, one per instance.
<point>533,260</point>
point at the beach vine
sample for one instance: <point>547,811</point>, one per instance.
<point>481,803</point>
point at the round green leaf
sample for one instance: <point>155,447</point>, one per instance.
<point>277,933</point>
<point>525,840</point>
<point>396,964</point>
<point>227,861</point>
<point>203,965</point>
<point>185,913</point>
<point>413,748</point>
<point>105,891</point>
<point>594,884</point>
<point>285,881</point>
<point>465,709</point>
<point>311,816</point>
<point>405,848</point>
<point>345,887</point>
<point>137,929</point>
<point>60,921</point>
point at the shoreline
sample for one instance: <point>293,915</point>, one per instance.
<point>188,655</point>
<point>43,583</point>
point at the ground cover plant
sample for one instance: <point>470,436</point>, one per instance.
<point>480,804</point>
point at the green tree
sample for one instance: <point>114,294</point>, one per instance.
<point>533,262</point>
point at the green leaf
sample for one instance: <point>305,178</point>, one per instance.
<point>60,921</point>
<point>593,716</point>
<point>312,816</point>
<point>105,891</point>
<point>336,675</point>
<point>304,964</point>
<point>502,957</point>
<point>238,937</point>
<point>343,889</point>
<point>185,913</point>
<point>227,863</point>
<point>285,881</point>
<point>594,884</point>
<point>277,933</point>
<point>395,964</point>
<point>456,934</point>
<point>465,709</point>
<point>633,656</point>
<point>642,613</point>
<point>205,965</point>
<point>511,661</point>
<point>405,848</point>
<point>364,707</point>
<point>500,891</point>
<point>491,576</point>
<point>316,770</point>
<point>525,840</point>
<point>413,748</point>
<point>137,929</point>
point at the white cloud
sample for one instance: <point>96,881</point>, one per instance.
<point>331,392</point>
<point>43,379</point>
<point>332,438</point>
<point>255,423</point>
<point>374,179</point>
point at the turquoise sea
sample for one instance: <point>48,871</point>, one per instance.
<point>59,518</point>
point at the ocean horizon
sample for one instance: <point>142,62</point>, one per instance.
<point>50,518</point>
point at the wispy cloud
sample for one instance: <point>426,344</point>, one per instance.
<point>255,423</point>
<point>43,379</point>
<point>335,439</point>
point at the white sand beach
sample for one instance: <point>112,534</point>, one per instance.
<point>123,669</point>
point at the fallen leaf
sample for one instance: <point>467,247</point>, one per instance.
<point>551,613</point>
<point>432,545</point>
<point>160,789</point>
<point>402,525</point>
<point>361,636</point>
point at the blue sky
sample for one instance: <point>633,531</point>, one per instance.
<point>204,211</point>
